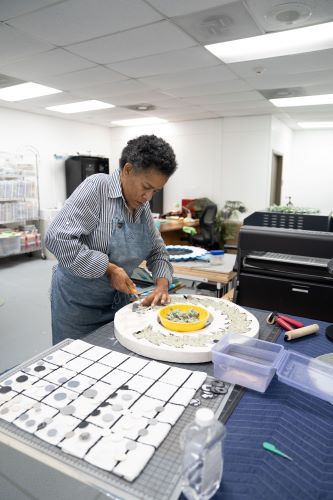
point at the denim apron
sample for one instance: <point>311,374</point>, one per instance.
<point>81,305</point>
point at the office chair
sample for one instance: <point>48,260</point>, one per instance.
<point>208,237</point>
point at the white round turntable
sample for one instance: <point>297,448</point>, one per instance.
<point>138,329</point>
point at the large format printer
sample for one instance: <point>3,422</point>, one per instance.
<point>285,270</point>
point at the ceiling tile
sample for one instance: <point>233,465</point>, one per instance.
<point>12,8</point>
<point>82,78</point>
<point>209,88</point>
<point>134,43</point>
<point>172,8</point>
<point>15,45</point>
<point>223,23</point>
<point>276,15</point>
<point>187,78</point>
<point>293,64</point>
<point>111,89</point>
<point>148,96</point>
<point>226,97</point>
<point>77,20</point>
<point>53,62</point>
<point>287,80</point>
<point>195,57</point>
<point>259,105</point>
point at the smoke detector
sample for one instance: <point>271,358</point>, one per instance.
<point>287,15</point>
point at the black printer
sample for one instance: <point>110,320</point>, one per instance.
<point>285,270</point>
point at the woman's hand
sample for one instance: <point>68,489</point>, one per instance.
<point>159,294</point>
<point>119,279</point>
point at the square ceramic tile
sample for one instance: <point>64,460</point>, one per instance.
<point>133,364</point>
<point>154,434</point>
<point>60,376</point>
<point>57,428</point>
<point>114,359</point>
<point>117,378</point>
<point>40,368</point>
<point>60,397</point>
<point>19,381</point>
<point>196,380</point>
<point>183,396</point>
<point>95,353</point>
<point>130,425</point>
<point>80,440</point>
<point>99,391</point>
<point>15,407</point>
<point>139,384</point>
<point>35,418</point>
<point>84,406</point>
<point>59,357</point>
<point>79,383</point>
<point>77,347</point>
<point>135,462</point>
<point>97,371</point>
<point>6,393</point>
<point>161,391</point>
<point>170,413</point>
<point>40,389</point>
<point>78,364</point>
<point>147,407</point>
<point>104,416</point>
<point>123,398</point>
<point>153,370</point>
<point>107,452</point>
<point>176,376</point>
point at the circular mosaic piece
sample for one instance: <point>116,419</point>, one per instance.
<point>90,393</point>
<point>67,410</point>
<point>22,378</point>
<point>52,432</point>
<point>60,396</point>
<point>5,389</point>
<point>39,368</point>
<point>73,383</point>
<point>108,417</point>
<point>131,445</point>
<point>139,330</point>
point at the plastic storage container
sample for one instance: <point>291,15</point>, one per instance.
<point>252,363</point>
<point>202,442</point>
<point>216,257</point>
<point>10,245</point>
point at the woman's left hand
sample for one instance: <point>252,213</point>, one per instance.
<point>160,294</point>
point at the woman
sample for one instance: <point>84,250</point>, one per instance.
<point>103,232</point>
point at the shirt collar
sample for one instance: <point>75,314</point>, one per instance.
<point>115,191</point>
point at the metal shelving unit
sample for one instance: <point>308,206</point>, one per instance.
<point>19,202</point>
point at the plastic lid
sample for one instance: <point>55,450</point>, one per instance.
<point>217,252</point>
<point>204,417</point>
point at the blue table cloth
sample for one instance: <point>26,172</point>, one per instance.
<point>297,423</point>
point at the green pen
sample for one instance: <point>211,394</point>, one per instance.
<point>271,447</point>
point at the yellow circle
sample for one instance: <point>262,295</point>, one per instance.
<point>183,326</point>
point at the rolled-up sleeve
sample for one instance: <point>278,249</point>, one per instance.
<point>158,261</point>
<point>78,217</point>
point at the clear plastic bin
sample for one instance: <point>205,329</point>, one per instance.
<point>9,245</point>
<point>253,363</point>
<point>245,361</point>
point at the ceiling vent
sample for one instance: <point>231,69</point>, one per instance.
<point>287,15</point>
<point>141,107</point>
<point>282,92</point>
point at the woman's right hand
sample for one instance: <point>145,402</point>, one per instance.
<point>119,279</point>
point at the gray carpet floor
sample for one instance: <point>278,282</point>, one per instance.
<point>25,316</point>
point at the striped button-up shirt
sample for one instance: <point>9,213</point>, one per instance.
<point>75,236</point>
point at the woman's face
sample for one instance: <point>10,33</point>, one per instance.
<point>139,187</point>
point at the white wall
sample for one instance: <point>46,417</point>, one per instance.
<point>310,177</point>
<point>282,144</point>
<point>51,136</point>
<point>197,146</point>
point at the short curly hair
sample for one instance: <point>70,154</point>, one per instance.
<point>148,151</point>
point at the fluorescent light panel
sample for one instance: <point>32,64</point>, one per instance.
<point>309,100</point>
<point>79,107</point>
<point>151,120</point>
<point>27,90</point>
<point>316,124</point>
<point>295,41</point>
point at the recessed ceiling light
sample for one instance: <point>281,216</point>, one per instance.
<point>309,100</point>
<point>151,120</point>
<point>295,41</point>
<point>79,107</point>
<point>24,91</point>
<point>316,124</point>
